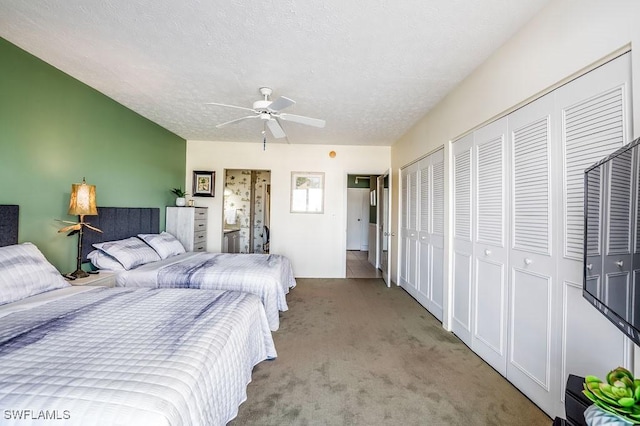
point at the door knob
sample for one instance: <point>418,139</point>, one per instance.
<point>619,263</point>
<point>487,252</point>
<point>589,266</point>
<point>528,261</point>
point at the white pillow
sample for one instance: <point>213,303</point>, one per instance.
<point>130,252</point>
<point>24,272</point>
<point>102,260</point>
<point>165,244</point>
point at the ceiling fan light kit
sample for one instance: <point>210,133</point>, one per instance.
<point>270,113</point>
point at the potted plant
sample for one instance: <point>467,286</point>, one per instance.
<point>180,194</point>
<point>619,395</point>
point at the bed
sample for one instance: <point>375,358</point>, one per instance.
<point>269,276</point>
<point>97,355</point>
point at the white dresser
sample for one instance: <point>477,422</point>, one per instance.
<point>189,226</point>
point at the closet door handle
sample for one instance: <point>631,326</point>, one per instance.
<point>589,266</point>
<point>528,261</point>
<point>619,263</point>
<point>487,252</point>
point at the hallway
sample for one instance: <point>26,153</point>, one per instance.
<point>358,265</point>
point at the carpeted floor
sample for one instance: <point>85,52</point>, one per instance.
<point>354,352</point>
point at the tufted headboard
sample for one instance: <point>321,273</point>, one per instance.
<point>9,215</point>
<point>117,223</point>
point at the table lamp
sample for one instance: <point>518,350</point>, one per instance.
<point>82,203</point>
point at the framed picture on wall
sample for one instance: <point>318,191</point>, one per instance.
<point>204,183</point>
<point>307,192</point>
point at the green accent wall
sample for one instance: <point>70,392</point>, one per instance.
<point>55,130</point>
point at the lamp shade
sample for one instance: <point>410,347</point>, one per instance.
<point>83,199</point>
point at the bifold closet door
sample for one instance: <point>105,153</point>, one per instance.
<point>409,260</point>
<point>596,120</point>
<point>532,351</point>
<point>462,253</point>
<point>431,233</point>
<point>423,232</point>
<point>491,254</point>
<point>436,235</point>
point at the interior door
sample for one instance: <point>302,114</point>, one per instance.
<point>596,120</point>
<point>384,234</point>
<point>357,218</point>
<point>491,254</point>
<point>462,304</point>
<point>409,237</point>
<point>532,327</point>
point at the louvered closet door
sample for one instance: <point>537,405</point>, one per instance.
<point>532,350</point>
<point>431,233</point>
<point>404,224</point>
<point>491,254</point>
<point>462,256</point>
<point>596,117</point>
<point>436,235</point>
<point>410,228</point>
<point>424,249</point>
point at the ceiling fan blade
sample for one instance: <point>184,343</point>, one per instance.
<point>315,122</point>
<point>230,106</point>
<point>276,129</point>
<point>281,103</point>
<point>236,120</point>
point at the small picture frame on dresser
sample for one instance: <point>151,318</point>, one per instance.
<point>204,183</point>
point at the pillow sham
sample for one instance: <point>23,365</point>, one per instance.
<point>102,260</point>
<point>24,272</point>
<point>130,252</point>
<point>165,244</point>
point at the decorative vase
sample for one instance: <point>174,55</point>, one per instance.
<point>181,201</point>
<point>596,416</point>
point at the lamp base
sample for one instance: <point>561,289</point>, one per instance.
<point>79,273</point>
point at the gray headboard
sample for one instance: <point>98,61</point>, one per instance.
<point>9,215</point>
<point>117,223</point>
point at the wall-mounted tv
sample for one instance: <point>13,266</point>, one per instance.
<point>612,238</point>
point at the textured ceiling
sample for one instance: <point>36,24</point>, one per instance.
<point>370,68</point>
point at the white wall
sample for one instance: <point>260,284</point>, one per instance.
<point>562,41</point>
<point>315,243</point>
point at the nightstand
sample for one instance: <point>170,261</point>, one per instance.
<point>107,279</point>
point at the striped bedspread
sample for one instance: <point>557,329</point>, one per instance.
<point>268,276</point>
<point>131,357</point>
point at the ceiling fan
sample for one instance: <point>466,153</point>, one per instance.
<point>270,113</point>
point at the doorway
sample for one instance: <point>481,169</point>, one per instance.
<point>384,230</point>
<point>247,211</point>
<point>361,236</point>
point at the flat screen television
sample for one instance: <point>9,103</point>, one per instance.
<point>612,238</point>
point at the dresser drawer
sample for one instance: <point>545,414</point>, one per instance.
<point>201,246</point>
<point>199,237</point>
<point>200,225</point>
<point>200,213</point>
